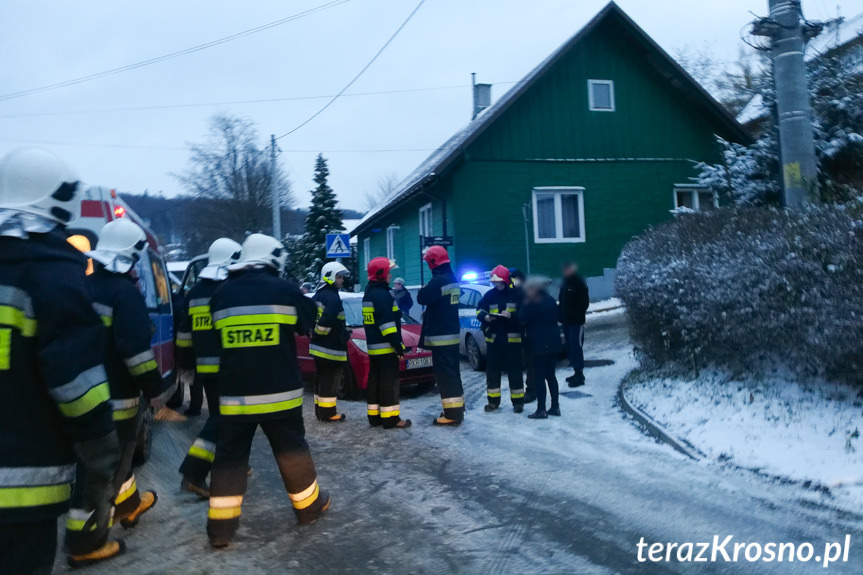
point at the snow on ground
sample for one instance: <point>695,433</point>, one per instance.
<point>804,432</point>
<point>610,304</point>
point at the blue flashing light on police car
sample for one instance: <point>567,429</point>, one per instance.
<point>470,277</point>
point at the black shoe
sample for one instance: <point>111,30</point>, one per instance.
<point>196,486</point>
<point>529,397</point>
<point>555,411</point>
<point>490,407</point>
<point>518,408</point>
<point>538,414</point>
<point>311,513</point>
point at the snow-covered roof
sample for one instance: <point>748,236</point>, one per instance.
<point>451,150</point>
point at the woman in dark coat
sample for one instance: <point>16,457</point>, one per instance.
<point>539,316</point>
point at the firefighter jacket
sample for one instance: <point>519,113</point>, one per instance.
<point>129,360</point>
<point>500,329</point>
<point>196,337</point>
<point>257,315</point>
<point>55,391</point>
<point>382,320</point>
<point>330,336</point>
<point>440,320</point>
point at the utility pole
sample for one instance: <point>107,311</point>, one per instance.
<point>789,34</point>
<point>274,192</point>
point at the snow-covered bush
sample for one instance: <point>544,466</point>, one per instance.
<point>740,286</point>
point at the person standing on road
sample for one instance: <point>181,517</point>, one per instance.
<point>129,360</point>
<point>574,301</point>
<point>200,348</point>
<point>329,343</point>
<point>402,296</point>
<point>517,279</point>
<point>441,333</point>
<point>257,315</point>
<point>539,316</point>
<point>498,314</point>
<point>383,325</point>
<point>55,404</point>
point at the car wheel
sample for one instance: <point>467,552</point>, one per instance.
<point>145,439</point>
<point>474,355</point>
<point>348,389</point>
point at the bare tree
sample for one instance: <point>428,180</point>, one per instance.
<point>733,84</point>
<point>386,185</point>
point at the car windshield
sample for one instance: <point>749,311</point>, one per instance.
<point>354,313</point>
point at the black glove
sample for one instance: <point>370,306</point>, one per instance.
<point>400,350</point>
<point>101,457</point>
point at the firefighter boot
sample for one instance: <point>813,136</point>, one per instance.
<point>107,551</point>
<point>518,408</point>
<point>148,500</point>
<point>197,486</point>
<point>313,512</point>
<point>444,421</point>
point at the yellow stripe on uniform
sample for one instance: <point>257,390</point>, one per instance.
<point>87,402</point>
<point>260,404</point>
<point>14,317</point>
<point>306,497</point>
<point>126,490</point>
<point>12,497</point>
<point>227,507</point>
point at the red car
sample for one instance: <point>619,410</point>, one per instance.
<point>416,367</point>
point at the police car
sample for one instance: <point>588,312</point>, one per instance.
<point>472,342</point>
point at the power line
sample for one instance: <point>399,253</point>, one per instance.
<point>157,59</point>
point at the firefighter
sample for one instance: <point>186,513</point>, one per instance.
<point>55,392</point>
<point>257,315</point>
<point>129,360</point>
<point>199,345</point>
<point>329,342</point>
<point>441,333</point>
<point>498,313</point>
<point>383,324</point>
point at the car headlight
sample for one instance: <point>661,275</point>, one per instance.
<point>362,344</point>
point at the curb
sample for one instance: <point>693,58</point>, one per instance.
<point>654,429</point>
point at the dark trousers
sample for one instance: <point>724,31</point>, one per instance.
<point>196,395</point>
<point>544,366</point>
<point>128,499</point>
<point>382,393</point>
<point>28,548</point>
<point>574,336</point>
<point>287,437</point>
<point>504,356</point>
<point>447,374</point>
<point>327,381</point>
<point>527,361</point>
<point>199,460</point>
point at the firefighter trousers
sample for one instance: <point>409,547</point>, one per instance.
<point>287,437</point>
<point>199,460</point>
<point>28,548</point>
<point>327,382</point>
<point>382,393</point>
<point>504,357</point>
<point>445,366</point>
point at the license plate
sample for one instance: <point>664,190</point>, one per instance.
<point>419,362</point>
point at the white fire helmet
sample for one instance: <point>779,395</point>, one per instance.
<point>331,270</point>
<point>120,245</point>
<point>223,253</point>
<point>264,250</point>
<point>37,182</point>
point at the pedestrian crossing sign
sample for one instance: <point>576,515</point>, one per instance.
<point>338,246</point>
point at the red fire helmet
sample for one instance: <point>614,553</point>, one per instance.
<point>379,268</point>
<point>500,274</point>
<point>436,256</point>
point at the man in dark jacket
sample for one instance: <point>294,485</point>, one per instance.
<point>574,301</point>
<point>329,343</point>
<point>199,346</point>
<point>441,333</point>
<point>539,316</point>
<point>55,404</point>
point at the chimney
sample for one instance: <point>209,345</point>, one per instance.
<point>481,96</point>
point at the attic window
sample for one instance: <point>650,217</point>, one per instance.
<point>601,95</point>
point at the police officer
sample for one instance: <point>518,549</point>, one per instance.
<point>383,325</point>
<point>129,360</point>
<point>55,392</point>
<point>498,313</point>
<point>329,342</point>
<point>257,315</point>
<point>441,333</point>
<point>199,344</point>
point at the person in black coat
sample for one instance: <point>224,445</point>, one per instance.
<point>539,317</point>
<point>574,300</point>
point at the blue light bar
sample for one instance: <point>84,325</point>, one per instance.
<point>469,277</point>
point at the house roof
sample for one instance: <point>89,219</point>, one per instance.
<point>442,159</point>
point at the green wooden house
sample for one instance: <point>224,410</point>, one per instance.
<point>596,144</point>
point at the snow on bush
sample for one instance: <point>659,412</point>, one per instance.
<point>739,287</point>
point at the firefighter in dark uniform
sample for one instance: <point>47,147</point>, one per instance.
<point>441,333</point>
<point>257,316</point>
<point>498,313</point>
<point>329,342</point>
<point>383,325</point>
<point>199,349</point>
<point>129,360</point>
<point>55,392</point>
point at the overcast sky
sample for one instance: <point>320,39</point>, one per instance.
<point>364,136</point>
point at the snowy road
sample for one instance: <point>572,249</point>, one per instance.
<point>501,494</point>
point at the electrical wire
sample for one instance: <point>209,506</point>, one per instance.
<point>157,59</point>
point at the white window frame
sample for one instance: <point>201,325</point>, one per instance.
<point>592,104</point>
<point>426,215</point>
<point>391,241</point>
<point>367,249</point>
<point>559,191</point>
<point>693,189</point>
